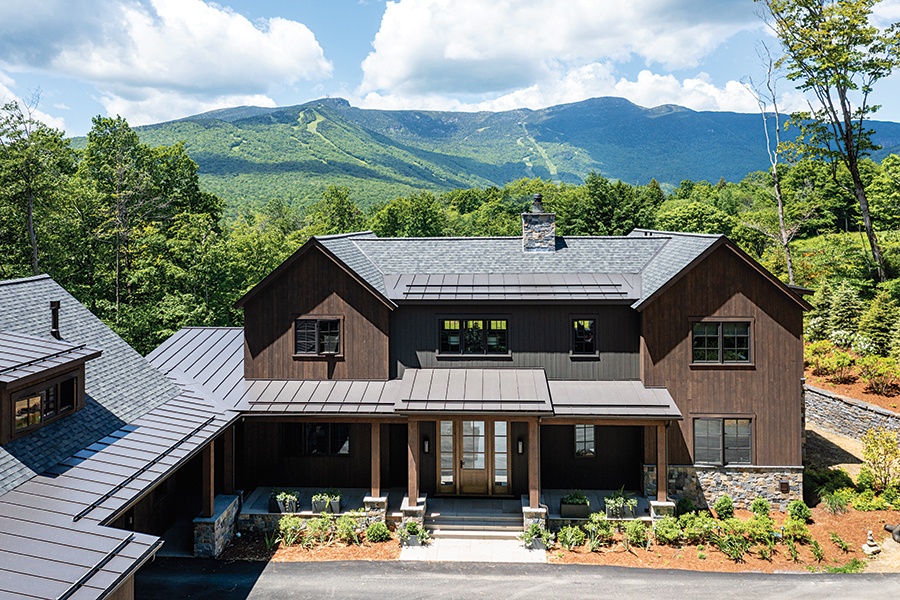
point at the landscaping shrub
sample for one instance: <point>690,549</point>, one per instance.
<point>636,533</point>
<point>290,529</point>
<point>844,308</point>
<point>890,496</point>
<point>878,320</point>
<point>760,529</point>
<point>796,531</point>
<point>733,525</point>
<point>866,479</point>
<point>798,509</point>
<point>697,528</point>
<point>840,543</point>
<point>817,551</point>
<point>879,374</point>
<point>724,507</point>
<point>836,502</point>
<point>760,507</point>
<point>599,530</point>
<point>814,353</point>
<point>882,455</point>
<point>666,531</point>
<point>734,546</point>
<point>839,365</point>
<point>867,501</point>
<point>378,532</point>
<point>349,527</point>
<point>684,506</point>
<point>824,481</point>
<point>570,536</point>
<point>320,530</point>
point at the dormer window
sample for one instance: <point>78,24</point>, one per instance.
<point>43,403</point>
<point>315,337</point>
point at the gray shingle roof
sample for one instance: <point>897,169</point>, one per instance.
<point>655,256</point>
<point>120,385</point>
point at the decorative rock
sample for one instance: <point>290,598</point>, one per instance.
<point>895,532</point>
<point>870,547</point>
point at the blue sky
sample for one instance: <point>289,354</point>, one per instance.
<point>156,60</point>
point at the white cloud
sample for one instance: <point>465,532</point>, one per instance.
<point>149,105</point>
<point>8,95</point>
<point>182,54</point>
<point>481,46</point>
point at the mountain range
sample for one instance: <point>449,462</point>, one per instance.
<point>249,155</point>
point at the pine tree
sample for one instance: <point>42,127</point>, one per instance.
<point>844,309</point>
<point>818,323</point>
<point>878,321</point>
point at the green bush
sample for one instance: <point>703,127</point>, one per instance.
<point>815,353</point>
<point>378,532</point>
<point>636,532</point>
<point>724,507</point>
<point>290,529</point>
<point>879,373</point>
<point>866,479</point>
<point>733,525</point>
<point>839,366</point>
<point>734,546</point>
<point>867,501</point>
<point>760,507</point>
<point>320,530</point>
<point>881,452</point>
<point>570,536</point>
<point>348,528</point>
<point>891,495</point>
<point>878,320</point>
<point>684,506</point>
<point>666,531</point>
<point>698,528</point>
<point>819,482</point>
<point>844,308</point>
<point>798,510</point>
<point>760,529</point>
<point>599,530</point>
<point>797,531</point>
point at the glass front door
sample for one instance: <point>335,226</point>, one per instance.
<point>473,457</point>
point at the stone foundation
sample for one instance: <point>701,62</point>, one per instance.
<point>704,485</point>
<point>212,534</point>
<point>376,509</point>
<point>415,512</point>
<point>847,416</point>
<point>533,515</point>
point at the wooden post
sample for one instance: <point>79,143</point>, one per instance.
<point>208,458</point>
<point>662,464</point>
<point>412,439</point>
<point>228,460</point>
<point>534,464</point>
<point>376,459</point>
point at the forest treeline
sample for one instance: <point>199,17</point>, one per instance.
<point>127,230</point>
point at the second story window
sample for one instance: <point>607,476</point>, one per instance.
<point>583,336</point>
<point>34,407</point>
<point>721,342</point>
<point>473,336</point>
<point>317,336</point>
<point>584,441</point>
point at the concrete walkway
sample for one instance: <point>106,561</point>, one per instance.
<point>474,550</point>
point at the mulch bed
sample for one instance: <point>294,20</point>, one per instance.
<point>252,546</point>
<point>857,389</point>
<point>852,527</point>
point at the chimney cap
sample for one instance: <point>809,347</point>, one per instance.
<point>537,204</point>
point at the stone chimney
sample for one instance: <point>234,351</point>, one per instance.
<point>538,228</point>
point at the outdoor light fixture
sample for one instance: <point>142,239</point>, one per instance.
<point>426,445</point>
<point>521,445</point>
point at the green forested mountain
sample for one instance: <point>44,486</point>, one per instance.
<point>247,155</point>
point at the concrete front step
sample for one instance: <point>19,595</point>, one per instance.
<point>473,534</point>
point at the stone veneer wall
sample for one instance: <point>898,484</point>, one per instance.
<point>846,416</point>
<point>375,510</point>
<point>212,534</point>
<point>704,485</point>
<point>538,232</point>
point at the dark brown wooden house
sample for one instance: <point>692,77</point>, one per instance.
<point>512,367</point>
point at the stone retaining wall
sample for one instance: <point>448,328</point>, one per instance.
<point>704,485</point>
<point>846,416</point>
<point>212,534</point>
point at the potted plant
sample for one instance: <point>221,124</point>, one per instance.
<point>410,534</point>
<point>286,501</point>
<point>334,501</point>
<point>320,502</point>
<point>574,505</point>
<point>620,505</point>
<point>535,537</point>
<point>273,503</point>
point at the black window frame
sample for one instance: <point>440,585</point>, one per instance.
<point>490,337</point>
<point>579,346</point>
<point>710,347</point>
<point>582,449</point>
<point>316,439</point>
<point>56,398</point>
<point>316,341</point>
<point>733,447</point>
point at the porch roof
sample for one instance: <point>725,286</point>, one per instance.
<point>318,397</point>
<point>474,391</point>
<point>612,399</point>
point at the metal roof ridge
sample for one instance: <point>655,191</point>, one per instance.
<point>673,233</point>
<point>336,236</point>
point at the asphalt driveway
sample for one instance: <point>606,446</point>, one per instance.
<point>175,578</point>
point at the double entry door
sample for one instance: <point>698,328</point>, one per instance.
<point>473,457</point>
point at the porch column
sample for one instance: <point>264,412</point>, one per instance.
<point>662,463</point>
<point>207,458</point>
<point>228,459</point>
<point>412,439</point>
<point>534,464</point>
<point>376,460</point>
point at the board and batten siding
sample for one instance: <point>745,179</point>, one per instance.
<point>539,336</point>
<point>768,391</point>
<point>315,286</point>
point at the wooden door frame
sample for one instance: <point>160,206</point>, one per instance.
<point>490,457</point>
